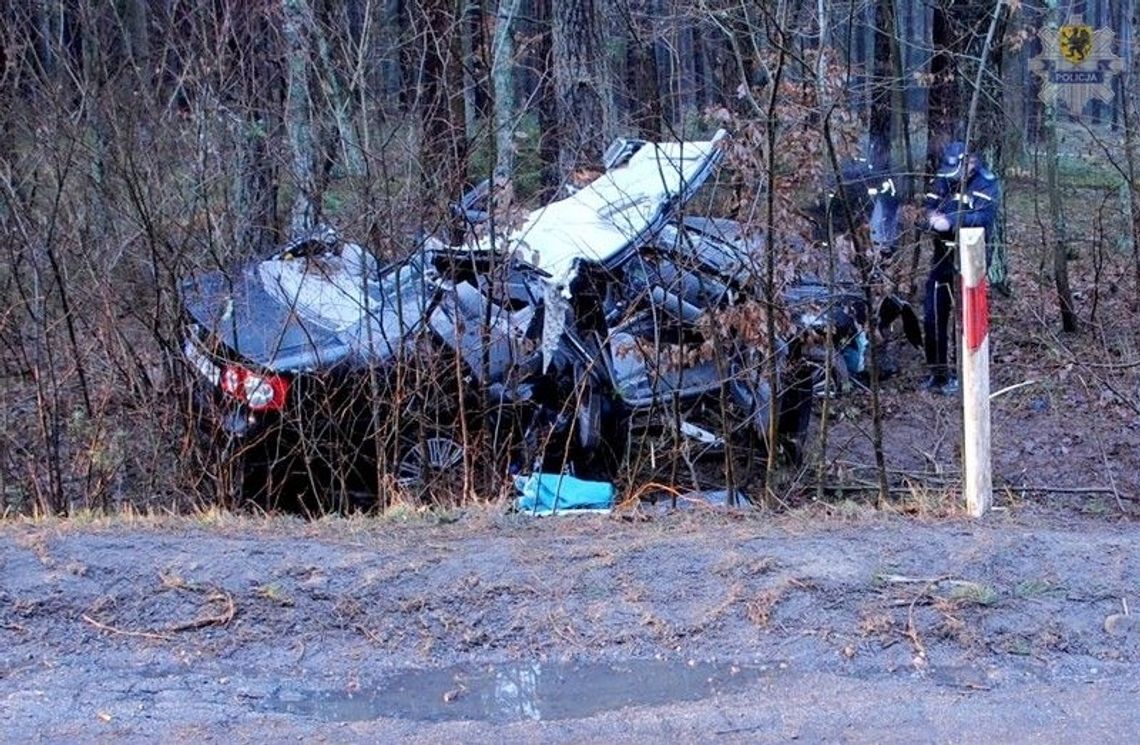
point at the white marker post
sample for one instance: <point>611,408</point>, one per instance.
<point>976,482</point>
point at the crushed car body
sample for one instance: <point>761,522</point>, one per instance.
<point>608,333</point>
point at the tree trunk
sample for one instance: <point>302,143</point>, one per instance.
<point>1053,187</point>
<point>940,119</point>
<point>92,85</point>
<point>882,83</point>
<point>297,25</point>
<point>256,217</point>
<point>390,49</point>
<point>828,346</point>
<point>136,38</point>
<point>685,76</point>
<point>49,27</point>
<point>443,145</point>
<point>1060,251</point>
<point>1122,22</point>
<point>1130,114</point>
<point>641,75</point>
<point>584,95</point>
<point>662,84</point>
<point>469,43</point>
<point>340,140</point>
<point>503,78</point>
<point>549,128</point>
<point>992,119</point>
<point>1016,123</point>
<point>703,66</point>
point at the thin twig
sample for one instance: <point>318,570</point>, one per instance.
<point>911,629</point>
<point>1103,453</point>
<point>865,486</point>
<point>902,578</point>
<point>899,472</point>
<point>371,635</point>
<point>648,488</point>
<point>221,619</point>
<point>1066,490</point>
<point>868,486</point>
<point>1010,388</point>
<point>1058,345</point>
<point>124,632</point>
<point>930,582</point>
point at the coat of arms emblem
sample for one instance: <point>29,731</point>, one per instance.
<point>1076,43</point>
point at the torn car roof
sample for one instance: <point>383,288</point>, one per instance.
<point>620,207</point>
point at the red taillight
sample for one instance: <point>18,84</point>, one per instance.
<point>257,391</point>
<point>231,380</point>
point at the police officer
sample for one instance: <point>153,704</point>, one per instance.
<point>964,194</point>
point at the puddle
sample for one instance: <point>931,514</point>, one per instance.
<point>528,691</point>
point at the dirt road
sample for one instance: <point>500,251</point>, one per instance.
<point>851,626</point>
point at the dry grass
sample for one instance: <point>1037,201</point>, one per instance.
<point>759,609</point>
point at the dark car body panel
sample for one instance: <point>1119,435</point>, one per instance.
<point>587,322</point>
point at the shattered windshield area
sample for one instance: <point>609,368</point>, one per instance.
<point>398,307</point>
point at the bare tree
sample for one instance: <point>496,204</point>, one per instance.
<point>297,26</point>
<point>1130,117</point>
<point>443,143</point>
<point>1060,248</point>
<point>502,74</point>
<point>586,115</point>
<point>259,75</point>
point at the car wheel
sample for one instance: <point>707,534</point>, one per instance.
<point>430,467</point>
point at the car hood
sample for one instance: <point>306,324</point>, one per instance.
<point>234,309</point>
<point>298,314</point>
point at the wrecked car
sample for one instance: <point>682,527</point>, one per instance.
<point>607,334</point>
<point>864,196</point>
<point>320,369</point>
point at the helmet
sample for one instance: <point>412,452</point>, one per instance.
<point>953,156</point>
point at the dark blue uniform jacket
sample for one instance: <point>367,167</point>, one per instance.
<point>976,206</point>
<point>977,203</point>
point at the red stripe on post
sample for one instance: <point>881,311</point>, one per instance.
<point>977,478</point>
<point>976,309</point>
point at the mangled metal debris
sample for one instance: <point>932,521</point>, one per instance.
<point>607,334</point>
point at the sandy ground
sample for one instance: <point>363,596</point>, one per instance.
<point>835,624</point>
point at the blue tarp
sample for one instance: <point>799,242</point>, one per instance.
<point>550,493</point>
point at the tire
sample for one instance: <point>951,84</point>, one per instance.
<point>430,468</point>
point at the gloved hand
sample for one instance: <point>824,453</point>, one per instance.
<point>939,222</point>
